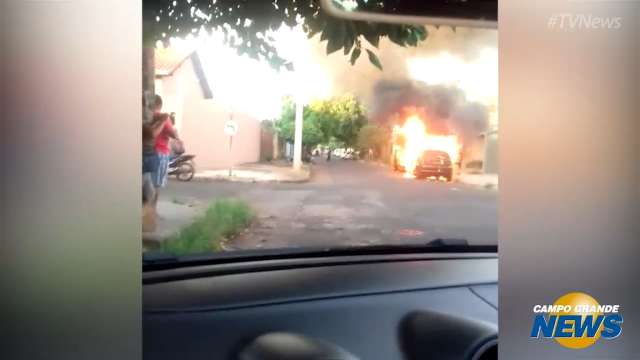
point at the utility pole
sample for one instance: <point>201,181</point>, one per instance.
<point>297,139</point>
<point>231,146</point>
<point>297,133</point>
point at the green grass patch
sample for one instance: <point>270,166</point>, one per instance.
<point>222,220</point>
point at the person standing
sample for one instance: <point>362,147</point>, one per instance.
<point>150,132</point>
<point>176,145</point>
<point>162,144</point>
<point>149,160</point>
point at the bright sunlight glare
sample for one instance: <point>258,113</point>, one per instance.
<point>247,85</point>
<point>478,78</point>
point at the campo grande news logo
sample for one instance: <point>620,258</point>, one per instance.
<point>576,321</point>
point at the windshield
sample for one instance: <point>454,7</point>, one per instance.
<point>265,130</point>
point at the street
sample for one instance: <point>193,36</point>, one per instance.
<point>353,203</point>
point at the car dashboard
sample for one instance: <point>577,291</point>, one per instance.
<point>440,306</point>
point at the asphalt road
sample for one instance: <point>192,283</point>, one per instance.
<point>354,203</point>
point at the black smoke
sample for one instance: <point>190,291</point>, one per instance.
<point>447,108</point>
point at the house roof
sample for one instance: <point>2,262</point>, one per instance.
<point>168,60</point>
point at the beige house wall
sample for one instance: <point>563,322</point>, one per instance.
<point>200,122</point>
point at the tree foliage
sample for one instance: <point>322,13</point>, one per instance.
<point>312,135</point>
<point>247,25</point>
<point>373,137</point>
<point>345,116</point>
<point>337,120</point>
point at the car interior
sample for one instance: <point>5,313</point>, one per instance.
<point>434,301</point>
<point>438,303</point>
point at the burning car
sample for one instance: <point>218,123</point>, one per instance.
<point>418,153</point>
<point>434,163</point>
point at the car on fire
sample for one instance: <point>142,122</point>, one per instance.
<point>431,163</point>
<point>434,163</point>
<point>420,153</point>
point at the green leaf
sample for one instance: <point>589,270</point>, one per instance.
<point>314,26</point>
<point>348,45</point>
<point>412,39</point>
<point>333,45</point>
<point>372,37</point>
<point>325,34</point>
<point>373,58</point>
<point>355,55</point>
<point>423,33</point>
<point>396,37</point>
<point>349,38</point>
<point>313,32</point>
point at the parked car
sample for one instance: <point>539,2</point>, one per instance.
<point>434,163</point>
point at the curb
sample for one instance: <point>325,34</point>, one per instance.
<point>374,163</point>
<point>304,179</point>
<point>252,180</point>
<point>486,186</point>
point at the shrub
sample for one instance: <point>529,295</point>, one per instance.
<point>222,221</point>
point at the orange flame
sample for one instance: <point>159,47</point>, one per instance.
<point>416,140</point>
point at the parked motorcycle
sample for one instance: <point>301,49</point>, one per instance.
<point>182,167</point>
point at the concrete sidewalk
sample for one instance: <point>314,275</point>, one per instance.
<point>486,181</point>
<point>258,172</point>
